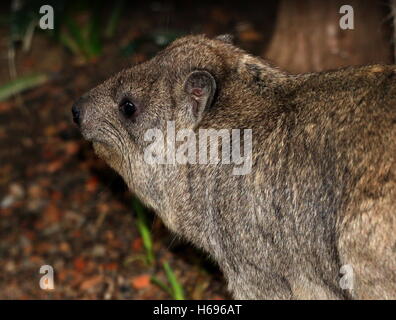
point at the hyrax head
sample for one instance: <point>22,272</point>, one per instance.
<point>181,84</point>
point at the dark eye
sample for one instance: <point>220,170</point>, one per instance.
<point>127,108</point>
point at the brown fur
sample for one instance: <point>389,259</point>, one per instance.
<point>322,189</point>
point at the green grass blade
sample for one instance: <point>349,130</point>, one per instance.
<point>93,43</point>
<point>69,43</point>
<point>77,34</point>
<point>162,285</point>
<point>177,289</point>
<point>22,84</point>
<point>114,19</point>
<point>144,230</point>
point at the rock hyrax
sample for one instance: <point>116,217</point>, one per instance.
<point>304,209</point>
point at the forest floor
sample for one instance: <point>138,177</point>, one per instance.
<point>62,206</point>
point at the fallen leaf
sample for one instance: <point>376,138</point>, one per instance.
<point>250,35</point>
<point>5,106</point>
<point>103,207</point>
<point>35,191</point>
<point>79,264</point>
<point>50,130</point>
<point>72,147</point>
<point>51,214</point>
<point>36,260</point>
<point>64,247</point>
<point>112,266</point>
<point>219,15</point>
<point>137,244</point>
<point>92,184</point>
<point>56,196</point>
<point>141,282</point>
<point>43,247</point>
<point>91,282</point>
<point>54,166</point>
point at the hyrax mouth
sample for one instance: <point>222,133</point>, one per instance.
<point>102,148</point>
<point>103,151</point>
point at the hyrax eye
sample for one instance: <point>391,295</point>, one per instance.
<point>127,108</point>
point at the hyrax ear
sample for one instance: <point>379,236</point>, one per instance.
<point>200,86</point>
<point>228,38</point>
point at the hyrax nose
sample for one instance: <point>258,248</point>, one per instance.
<point>76,112</point>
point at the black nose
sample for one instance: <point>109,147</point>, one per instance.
<point>76,114</point>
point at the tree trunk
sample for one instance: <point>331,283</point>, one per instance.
<point>307,35</point>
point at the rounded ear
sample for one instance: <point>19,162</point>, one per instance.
<point>200,87</point>
<point>228,38</point>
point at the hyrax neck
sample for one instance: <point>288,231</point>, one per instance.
<point>209,198</point>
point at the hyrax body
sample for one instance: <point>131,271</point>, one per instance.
<point>320,198</point>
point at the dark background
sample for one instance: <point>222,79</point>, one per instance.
<point>59,204</point>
